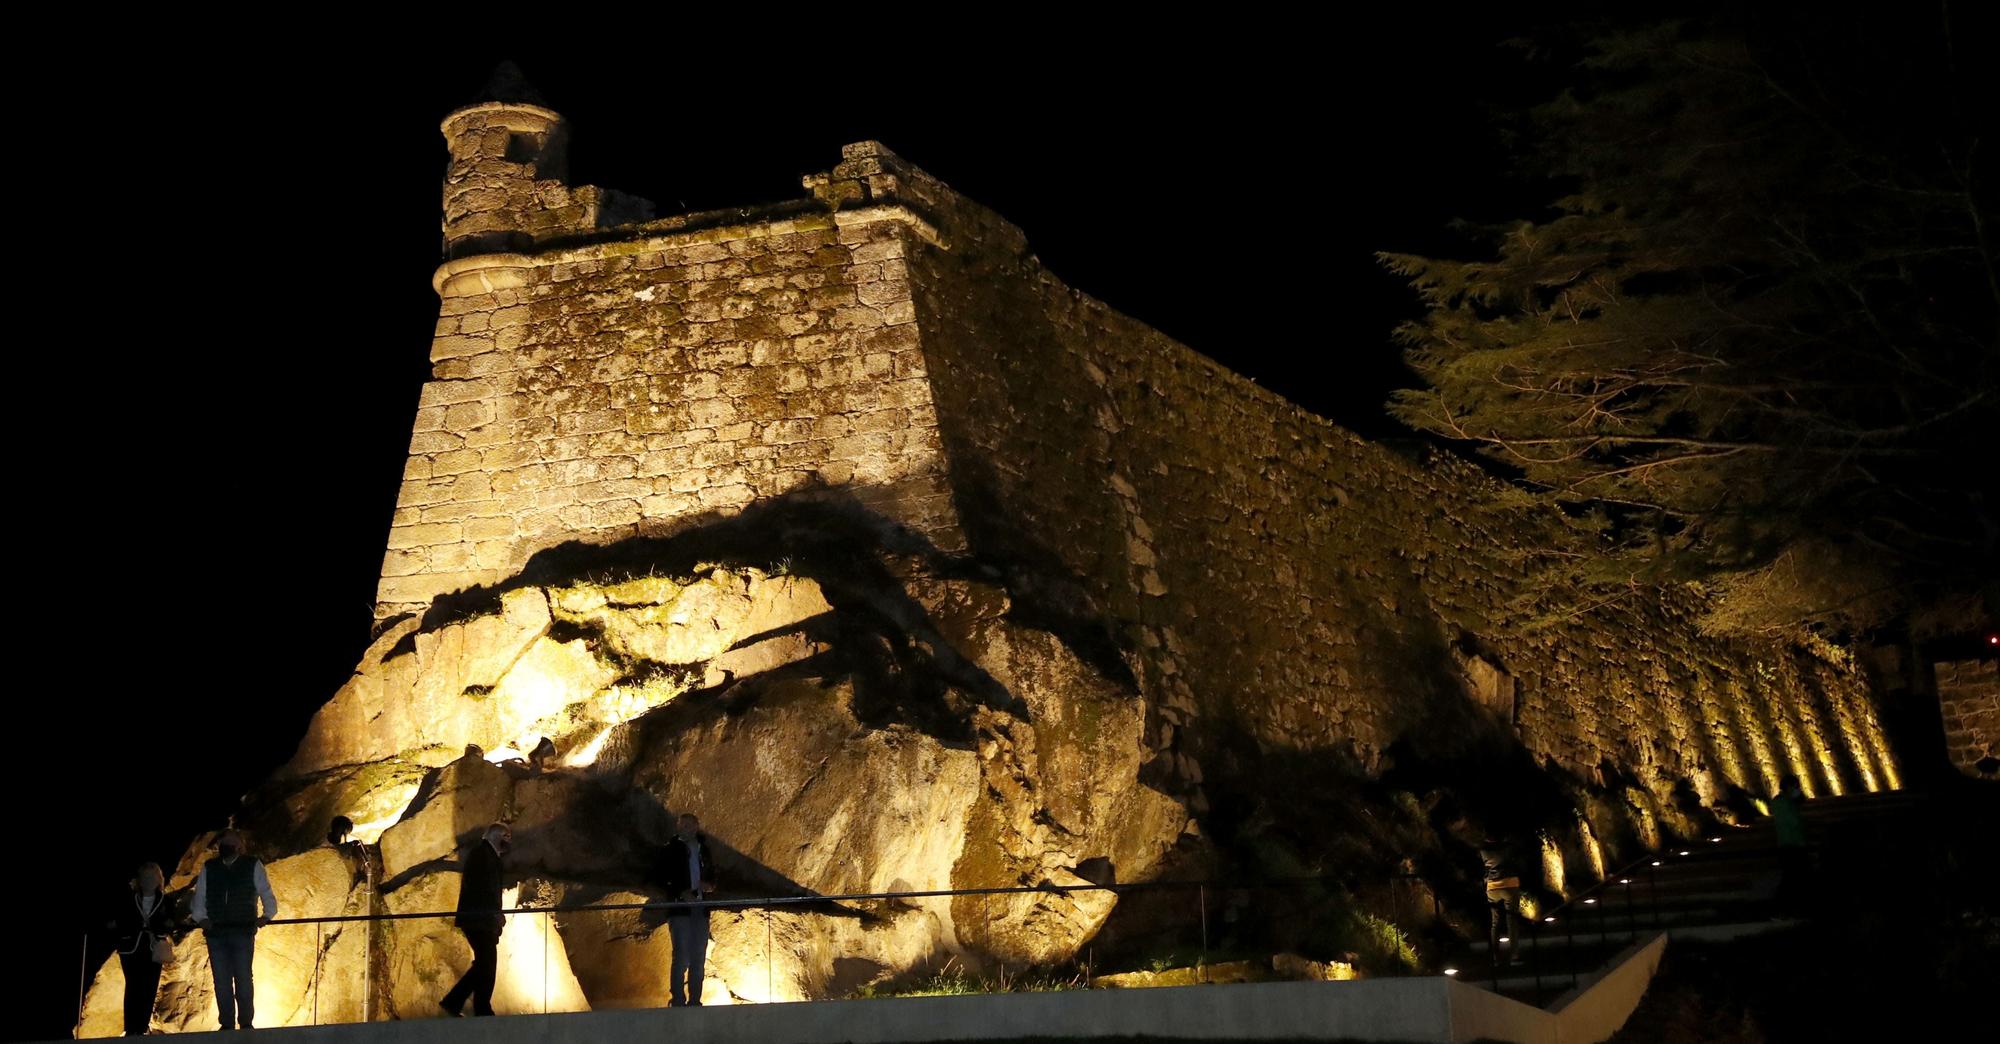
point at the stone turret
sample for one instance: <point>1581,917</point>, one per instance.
<point>509,158</point>
<point>507,191</point>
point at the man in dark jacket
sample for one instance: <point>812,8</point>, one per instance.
<point>687,875</point>
<point>479,917</point>
<point>226,898</point>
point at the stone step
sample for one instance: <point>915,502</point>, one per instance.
<point>1740,857</point>
<point>1551,963</point>
<point>1644,906</point>
<point>1816,810</point>
<point>1676,886</point>
<point>1734,880</point>
<point>1686,877</point>
<point>1715,888</point>
<point>1518,980</point>
<point>1550,966</point>
<point>1560,936</point>
<point>1867,796</point>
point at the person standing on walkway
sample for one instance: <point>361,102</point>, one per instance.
<point>1794,858</point>
<point>227,895</point>
<point>687,875</point>
<point>143,927</point>
<point>1503,898</point>
<point>479,917</point>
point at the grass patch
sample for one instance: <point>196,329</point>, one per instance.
<point>953,979</point>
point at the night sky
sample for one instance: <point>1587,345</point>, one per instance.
<point>235,311</point>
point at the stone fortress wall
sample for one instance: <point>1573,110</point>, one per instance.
<point>669,372</point>
<point>890,341</point>
<point>1969,695</point>
<point>1313,591</point>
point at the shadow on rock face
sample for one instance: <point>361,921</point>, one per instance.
<point>860,558</point>
<point>848,708</point>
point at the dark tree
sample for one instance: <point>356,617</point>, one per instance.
<point>1753,340</point>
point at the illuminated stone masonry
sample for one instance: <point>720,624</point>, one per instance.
<point>889,340</point>
<point>1969,694</point>
<point>681,371</point>
<point>1267,575</point>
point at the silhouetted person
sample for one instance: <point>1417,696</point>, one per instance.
<point>143,929</point>
<point>543,757</point>
<point>1503,897</point>
<point>1794,858</point>
<point>338,831</point>
<point>480,919</point>
<point>687,875</point>
<point>226,898</point>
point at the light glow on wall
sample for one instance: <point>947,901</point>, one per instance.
<point>383,809</point>
<point>1647,825</point>
<point>370,833</point>
<point>586,755</point>
<point>1815,732</point>
<point>1737,699</point>
<point>1879,743</point>
<point>1848,732</point>
<point>1788,738</point>
<point>535,975</point>
<point>1552,866</point>
<point>1592,850</point>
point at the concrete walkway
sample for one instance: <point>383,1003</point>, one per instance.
<point>1431,1010</point>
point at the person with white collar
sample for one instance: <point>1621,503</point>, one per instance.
<point>144,930</point>
<point>687,876</point>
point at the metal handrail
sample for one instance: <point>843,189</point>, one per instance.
<point>769,901</point>
<point>772,902</point>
